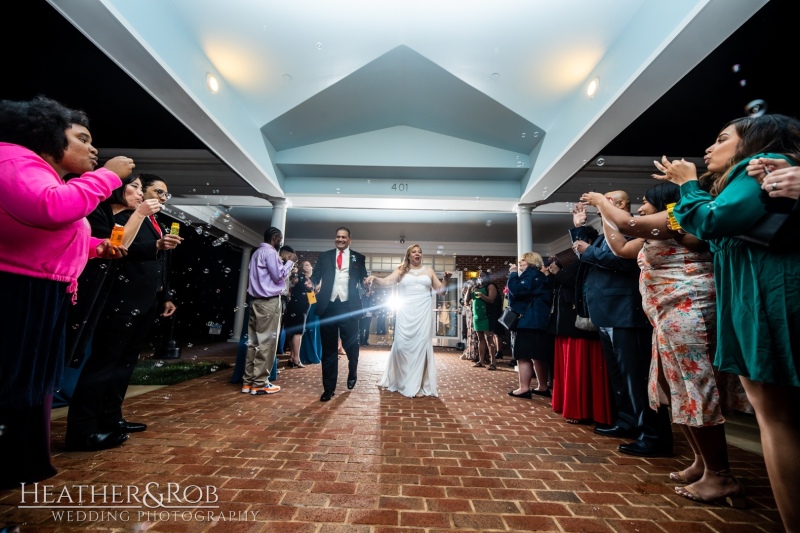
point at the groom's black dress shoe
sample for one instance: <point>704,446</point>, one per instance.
<point>327,395</point>
<point>97,441</point>
<point>351,383</point>
<point>642,449</point>
<point>123,426</point>
<point>613,431</point>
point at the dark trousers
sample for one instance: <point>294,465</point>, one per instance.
<point>628,352</point>
<point>363,325</point>
<point>338,321</point>
<point>96,405</point>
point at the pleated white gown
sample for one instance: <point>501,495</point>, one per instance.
<point>411,368</point>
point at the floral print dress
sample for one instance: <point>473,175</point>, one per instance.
<point>678,295</point>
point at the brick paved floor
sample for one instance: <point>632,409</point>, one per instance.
<point>474,459</point>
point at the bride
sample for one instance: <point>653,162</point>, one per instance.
<point>411,369</point>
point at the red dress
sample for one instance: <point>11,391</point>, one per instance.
<point>580,381</point>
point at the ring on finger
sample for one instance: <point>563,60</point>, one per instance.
<point>774,185</point>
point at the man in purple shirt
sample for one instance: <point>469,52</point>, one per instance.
<point>268,273</point>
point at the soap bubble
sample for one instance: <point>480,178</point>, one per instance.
<point>632,222</point>
<point>756,108</point>
<point>655,232</point>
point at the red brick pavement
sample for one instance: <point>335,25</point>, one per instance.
<point>473,459</point>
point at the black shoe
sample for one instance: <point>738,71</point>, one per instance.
<point>351,383</point>
<point>613,431</point>
<point>97,441</point>
<point>642,449</point>
<point>327,395</point>
<point>290,363</point>
<point>123,426</point>
<point>523,395</point>
<point>546,393</point>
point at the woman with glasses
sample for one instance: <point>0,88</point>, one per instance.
<point>140,291</point>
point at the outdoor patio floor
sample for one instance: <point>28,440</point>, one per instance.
<point>473,459</point>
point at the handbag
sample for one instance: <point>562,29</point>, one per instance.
<point>766,231</point>
<point>510,318</point>
<point>585,323</point>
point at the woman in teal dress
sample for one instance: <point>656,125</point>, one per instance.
<point>758,288</point>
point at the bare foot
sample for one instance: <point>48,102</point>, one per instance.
<point>690,475</point>
<point>713,488</point>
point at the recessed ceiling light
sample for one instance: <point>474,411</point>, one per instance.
<point>592,88</point>
<point>213,83</point>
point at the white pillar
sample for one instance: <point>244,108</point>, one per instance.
<point>524,233</point>
<point>241,294</point>
<point>279,215</point>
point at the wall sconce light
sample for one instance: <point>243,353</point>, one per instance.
<point>593,87</point>
<point>472,274</point>
<point>402,239</point>
<point>212,83</point>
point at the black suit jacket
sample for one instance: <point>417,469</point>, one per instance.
<point>325,270</point>
<point>145,268</point>
<point>610,286</point>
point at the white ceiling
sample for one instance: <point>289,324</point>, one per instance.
<point>400,117</point>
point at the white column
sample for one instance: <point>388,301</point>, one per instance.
<point>241,294</point>
<point>524,233</point>
<point>279,215</point>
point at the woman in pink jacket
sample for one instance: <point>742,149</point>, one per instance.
<point>45,242</point>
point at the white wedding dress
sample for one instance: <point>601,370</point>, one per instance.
<point>411,368</point>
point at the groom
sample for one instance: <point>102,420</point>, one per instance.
<point>340,273</point>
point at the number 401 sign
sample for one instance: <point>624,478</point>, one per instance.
<point>400,187</point>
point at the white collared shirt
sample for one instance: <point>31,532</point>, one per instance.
<point>341,278</point>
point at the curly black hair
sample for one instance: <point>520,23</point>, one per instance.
<point>39,125</point>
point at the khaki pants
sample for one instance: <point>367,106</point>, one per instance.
<point>263,329</point>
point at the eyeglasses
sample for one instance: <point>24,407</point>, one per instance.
<point>162,194</point>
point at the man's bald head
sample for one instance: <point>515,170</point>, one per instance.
<point>619,199</point>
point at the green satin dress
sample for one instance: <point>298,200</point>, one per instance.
<point>758,290</point>
<point>480,320</point>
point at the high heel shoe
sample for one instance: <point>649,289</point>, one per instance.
<point>298,365</point>
<point>290,364</point>
<point>735,500</point>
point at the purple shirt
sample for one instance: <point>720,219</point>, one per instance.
<point>267,272</point>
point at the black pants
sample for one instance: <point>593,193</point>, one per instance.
<point>96,405</point>
<point>628,352</point>
<point>363,324</point>
<point>338,321</point>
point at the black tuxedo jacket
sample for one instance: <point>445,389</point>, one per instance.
<point>145,268</point>
<point>610,286</point>
<point>325,270</point>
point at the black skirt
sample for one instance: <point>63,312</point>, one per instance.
<point>33,317</point>
<point>532,344</point>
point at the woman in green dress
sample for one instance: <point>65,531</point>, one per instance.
<point>758,289</point>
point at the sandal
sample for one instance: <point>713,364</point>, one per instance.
<point>680,477</point>
<point>477,365</point>
<point>491,367</point>
<point>735,500</point>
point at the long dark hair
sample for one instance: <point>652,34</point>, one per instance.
<point>118,195</point>
<point>777,134</point>
<point>662,194</point>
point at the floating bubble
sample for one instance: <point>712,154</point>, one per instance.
<point>160,364</point>
<point>199,230</point>
<point>226,270</point>
<point>632,222</point>
<point>655,231</point>
<point>756,108</point>
<point>214,369</point>
<point>736,68</point>
<point>742,83</point>
<point>189,345</point>
<point>135,312</point>
<point>600,162</point>
<point>205,271</point>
